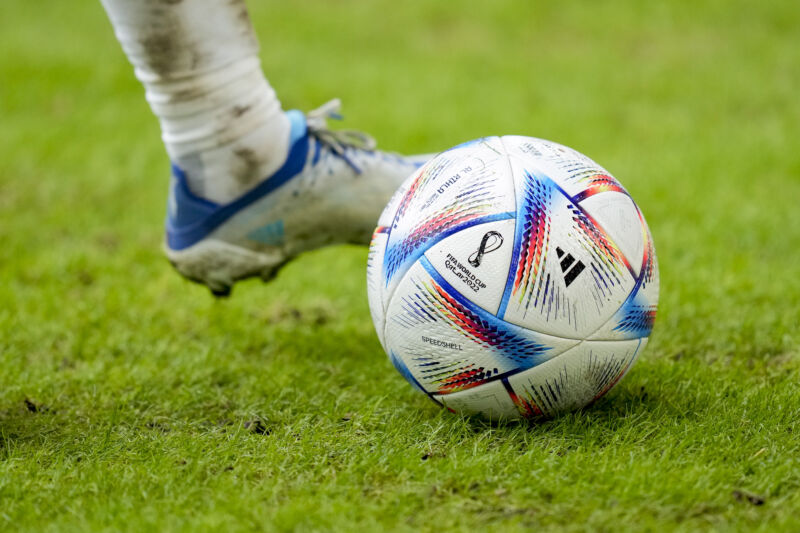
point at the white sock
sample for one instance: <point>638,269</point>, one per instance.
<point>198,61</point>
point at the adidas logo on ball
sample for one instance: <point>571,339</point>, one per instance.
<point>566,263</point>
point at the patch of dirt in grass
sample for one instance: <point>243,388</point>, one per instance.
<point>258,426</point>
<point>158,426</point>
<point>433,453</point>
<point>34,407</point>
<point>748,497</point>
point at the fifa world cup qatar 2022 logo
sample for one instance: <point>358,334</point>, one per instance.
<point>492,240</point>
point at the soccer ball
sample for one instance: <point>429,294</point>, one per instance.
<point>512,277</point>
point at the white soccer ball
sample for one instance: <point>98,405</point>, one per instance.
<point>512,277</point>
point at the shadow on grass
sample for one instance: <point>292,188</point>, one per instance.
<point>626,406</point>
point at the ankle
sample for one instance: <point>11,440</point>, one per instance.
<point>225,172</point>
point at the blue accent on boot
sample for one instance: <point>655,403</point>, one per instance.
<point>297,121</point>
<point>191,218</point>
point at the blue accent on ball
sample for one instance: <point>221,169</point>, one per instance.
<point>512,271</point>
<point>523,207</point>
<point>635,318</point>
<point>516,346</point>
<point>393,265</point>
<point>406,373</point>
<point>469,143</point>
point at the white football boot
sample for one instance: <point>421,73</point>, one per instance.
<point>331,189</point>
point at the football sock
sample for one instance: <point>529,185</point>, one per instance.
<point>221,121</point>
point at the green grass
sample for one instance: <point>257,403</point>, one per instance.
<point>131,400</point>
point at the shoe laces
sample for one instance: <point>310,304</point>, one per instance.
<point>338,141</point>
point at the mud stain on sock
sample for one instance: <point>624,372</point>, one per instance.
<point>247,165</point>
<point>239,110</point>
<point>165,43</point>
<point>160,48</point>
<point>242,16</point>
<point>170,48</point>
<point>192,93</point>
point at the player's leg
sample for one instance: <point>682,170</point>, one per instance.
<point>252,186</point>
<point>221,122</point>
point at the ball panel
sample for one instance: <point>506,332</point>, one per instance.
<point>567,276</point>
<point>455,190</point>
<point>450,344</point>
<point>490,399</point>
<point>575,378</point>
<point>573,171</point>
<point>475,261</point>
<point>636,316</point>
<point>619,217</point>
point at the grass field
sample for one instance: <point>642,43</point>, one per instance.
<point>132,400</point>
